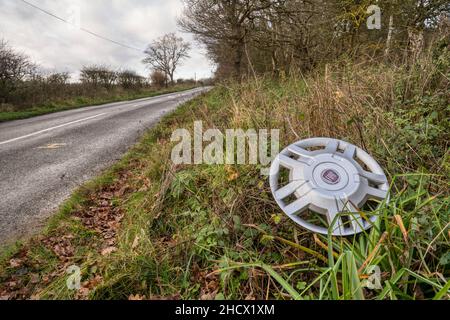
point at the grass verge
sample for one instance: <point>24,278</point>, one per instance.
<point>84,102</point>
<point>150,230</point>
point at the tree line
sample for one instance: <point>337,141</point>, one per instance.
<point>24,84</point>
<point>248,37</point>
<point>104,76</point>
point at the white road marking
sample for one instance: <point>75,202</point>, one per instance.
<point>155,99</point>
<point>50,129</point>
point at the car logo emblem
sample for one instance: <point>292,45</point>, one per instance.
<point>331,177</point>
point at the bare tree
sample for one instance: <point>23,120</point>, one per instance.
<point>223,25</point>
<point>98,75</point>
<point>284,36</point>
<point>57,78</point>
<point>166,53</point>
<point>129,79</point>
<point>14,69</point>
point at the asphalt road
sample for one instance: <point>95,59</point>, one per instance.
<point>43,159</point>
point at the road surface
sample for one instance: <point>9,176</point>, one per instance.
<point>43,159</point>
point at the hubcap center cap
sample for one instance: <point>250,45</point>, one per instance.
<point>331,177</point>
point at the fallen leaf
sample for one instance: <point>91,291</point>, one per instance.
<point>250,297</point>
<point>15,263</point>
<point>34,278</point>
<point>209,296</point>
<point>83,293</point>
<point>232,174</point>
<point>108,251</point>
<point>122,191</point>
<point>136,297</point>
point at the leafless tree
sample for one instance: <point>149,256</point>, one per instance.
<point>24,85</point>
<point>283,36</point>
<point>14,68</point>
<point>166,53</point>
<point>223,25</point>
<point>57,78</point>
<point>129,79</point>
<point>98,75</point>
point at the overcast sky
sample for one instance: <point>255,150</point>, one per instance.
<point>58,46</point>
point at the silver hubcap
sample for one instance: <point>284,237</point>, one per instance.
<point>329,181</point>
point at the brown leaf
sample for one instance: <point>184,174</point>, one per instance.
<point>83,293</point>
<point>136,297</point>
<point>35,297</point>
<point>209,296</point>
<point>34,278</point>
<point>122,191</point>
<point>108,251</point>
<point>92,283</point>
<point>15,263</point>
<point>232,174</point>
<point>107,196</point>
